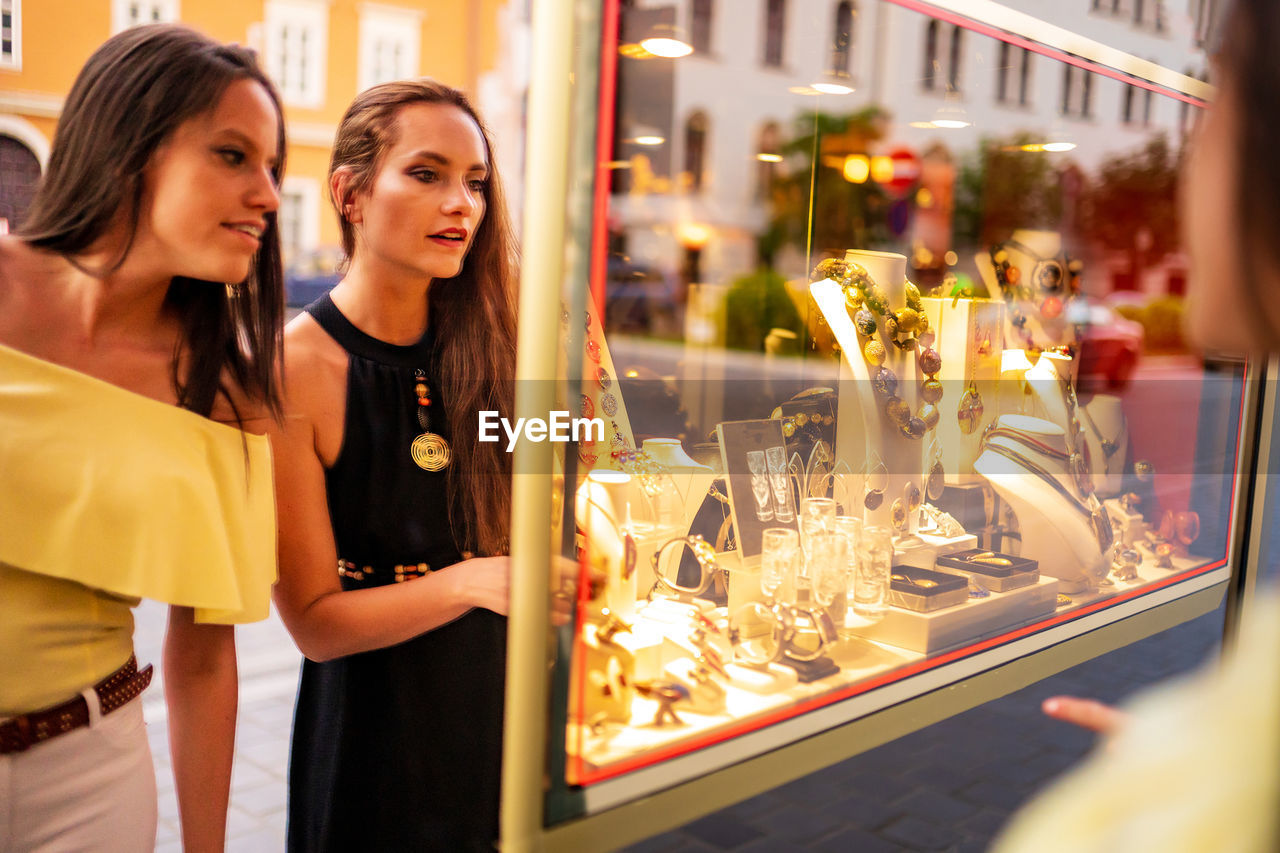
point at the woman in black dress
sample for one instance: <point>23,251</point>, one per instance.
<point>393,518</point>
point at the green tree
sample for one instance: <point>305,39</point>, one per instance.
<point>1001,187</point>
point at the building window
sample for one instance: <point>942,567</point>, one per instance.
<point>1077,91</point>
<point>299,218</point>
<point>19,175</point>
<point>1126,104</point>
<point>1148,99</point>
<point>695,151</point>
<point>842,39</point>
<point>768,157</point>
<point>389,44</point>
<point>1002,72</point>
<point>1024,79</point>
<point>132,13</point>
<point>700,26</point>
<point>1139,12</point>
<point>295,38</point>
<point>954,60</point>
<point>775,25</point>
<point>11,34</point>
<point>930,77</point>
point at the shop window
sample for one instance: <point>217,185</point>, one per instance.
<point>389,40</point>
<point>700,26</point>
<point>295,40</point>
<point>930,76</point>
<point>775,23</point>
<point>842,39</point>
<point>695,150</point>
<point>11,34</point>
<point>19,174</point>
<point>1139,12</point>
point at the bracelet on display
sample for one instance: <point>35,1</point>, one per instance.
<point>794,631</point>
<point>1077,465</point>
<point>702,552</point>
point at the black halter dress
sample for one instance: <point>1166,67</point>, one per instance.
<point>397,749</point>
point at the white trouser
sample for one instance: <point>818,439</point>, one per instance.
<point>92,789</point>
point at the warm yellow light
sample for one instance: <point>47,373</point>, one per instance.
<point>1031,148</point>
<point>951,258</point>
<point>632,50</point>
<point>693,235</point>
<point>1059,146</point>
<point>950,123</point>
<point>617,164</point>
<point>803,90</point>
<point>857,168</point>
<point>666,47</point>
<point>881,169</point>
<point>648,140</point>
<point>923,125</point>
<point>924,198</point>
<point>632,373</point>
<point>769,158</point>
<point>832,88</point>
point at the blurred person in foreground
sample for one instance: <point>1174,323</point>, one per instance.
<point>1195,766</point>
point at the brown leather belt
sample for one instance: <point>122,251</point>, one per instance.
<point>114,691</point>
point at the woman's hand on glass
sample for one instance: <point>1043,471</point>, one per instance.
<point>1085,713</point>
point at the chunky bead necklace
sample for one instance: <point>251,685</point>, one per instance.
<point>429,450</point>
<point>1052,280</point>
<point>874,321</point>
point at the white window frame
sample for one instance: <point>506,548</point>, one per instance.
<point>13,62</point>
<point>169,12</point>
<point>384,25</point>
<point>309,21</point>
<point>307,191</point>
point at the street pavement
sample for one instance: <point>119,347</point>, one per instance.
<point>949,787</point>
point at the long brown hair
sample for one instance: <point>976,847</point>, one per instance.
<point>472,314</point>
<point>129,98</point>
<point>1248,32</point>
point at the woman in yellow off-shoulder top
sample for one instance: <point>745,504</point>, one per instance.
<point>140,314</point>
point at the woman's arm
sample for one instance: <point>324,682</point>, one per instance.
<point>200,689</point>
<point>325,621</point>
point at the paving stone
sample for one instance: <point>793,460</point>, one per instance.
<point>985,823</point>
<point>865,811</point>
<point>757,806</point>
<point>997,794</point>
<point>813,791</point>
<point>937,807</point>
<point>918,834</point>
<point>663,843</point>
<point>879,785</point>
<point>853,840</point>
<point>264,799</point>
<point>796,826</point>
<point>722,830</point>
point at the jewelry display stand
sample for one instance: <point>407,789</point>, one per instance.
<point>603,513</point>
<point>1054,531</point>
<point>1037,331</point>
<point>929,633</point>
<point>1107,434</point>
<point>878,437</point>
<point>1049,378</point>
<point>969,341</point>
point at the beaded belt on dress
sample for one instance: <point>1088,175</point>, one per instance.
<point>114,691</point>
<point>399,573</point>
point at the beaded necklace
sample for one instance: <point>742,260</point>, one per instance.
<point>875,322</point>
<point>429,450</point>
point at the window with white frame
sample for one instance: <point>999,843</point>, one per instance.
<point>11,34</point>
<point>299,217</point>
<point>295,36</point>
<point>389,44</point>
<point>132,13</point>
<point>1077,91</point>
<point>929,78</point>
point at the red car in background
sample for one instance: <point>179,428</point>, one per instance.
<point>1109,344</point>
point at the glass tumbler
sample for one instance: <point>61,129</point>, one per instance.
<point>779,554</point>
<point>871,579</point>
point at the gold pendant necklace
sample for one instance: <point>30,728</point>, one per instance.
<point>430,451</point>
<point>969,412</point>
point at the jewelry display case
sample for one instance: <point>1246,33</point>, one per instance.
<point>877,309</point>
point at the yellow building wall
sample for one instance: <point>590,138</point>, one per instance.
<point>459,42</point>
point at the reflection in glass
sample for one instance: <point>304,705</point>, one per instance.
<point>760,484</point>
<point>780,480</point>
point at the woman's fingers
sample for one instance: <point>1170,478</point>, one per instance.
<point>1086,713</point>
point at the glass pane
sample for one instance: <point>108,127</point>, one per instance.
<point>930,307</point>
